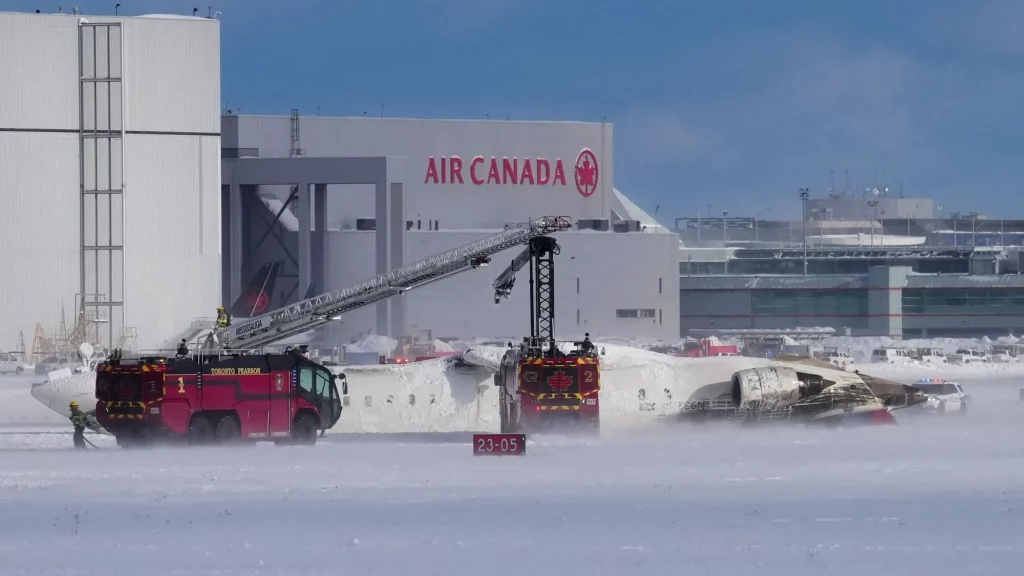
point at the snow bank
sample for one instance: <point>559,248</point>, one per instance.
<point>382,345</point>
<point>19,409</point>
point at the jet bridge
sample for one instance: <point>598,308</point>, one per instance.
<point>308,314</point>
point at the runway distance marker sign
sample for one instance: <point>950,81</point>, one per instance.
<point>499,444</point>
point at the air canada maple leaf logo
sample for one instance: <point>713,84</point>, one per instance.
<point>559,381</point>
<point>258,302</point>
<point>587,173</point>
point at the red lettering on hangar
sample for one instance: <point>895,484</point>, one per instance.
<point>532,171</point>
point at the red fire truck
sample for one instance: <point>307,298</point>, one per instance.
<point>541,389</point>
<point>219,398</point>
<point>540,384</point>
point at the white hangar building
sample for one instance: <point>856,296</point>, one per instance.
<point>109,174</point>
<point>335,201</point>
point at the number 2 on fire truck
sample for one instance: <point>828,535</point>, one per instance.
<point>181,385</point>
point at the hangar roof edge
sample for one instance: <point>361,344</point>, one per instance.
<point>418,119</point>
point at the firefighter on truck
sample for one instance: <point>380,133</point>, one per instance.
<point>223,318</point>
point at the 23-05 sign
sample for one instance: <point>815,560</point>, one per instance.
<point>499,444</point>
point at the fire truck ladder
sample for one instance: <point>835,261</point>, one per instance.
<point>541,252</point>
<point>319,310</point>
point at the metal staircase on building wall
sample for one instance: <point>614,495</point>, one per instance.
<point>307,314</point>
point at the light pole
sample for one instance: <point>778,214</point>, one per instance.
<point>874,214</point>
<point>804,195</point>
<point>757,237</point>
<point>724,214</point>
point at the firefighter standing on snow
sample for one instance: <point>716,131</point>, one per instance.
<point>78,419</point>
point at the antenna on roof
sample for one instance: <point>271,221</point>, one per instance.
<point>116,6</point>
<point>194,10</point>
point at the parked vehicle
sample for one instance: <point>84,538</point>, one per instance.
<point>890,356</point>
<point>51,363</point>
<point>967,356</point>
<point>836,358</point>
<point>9,364</point>
<point>929,356</point>
<point>1006,353</point>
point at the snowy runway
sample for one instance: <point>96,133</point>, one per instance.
<point>931,496</point>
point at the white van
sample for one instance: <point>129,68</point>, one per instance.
<point>9,364</point>
<point>890,356</point>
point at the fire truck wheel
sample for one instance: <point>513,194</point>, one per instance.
<point>200,431</point>
<point>228,430</point>
<point>304,433</point>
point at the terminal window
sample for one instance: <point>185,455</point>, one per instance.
<point>809,302</point>
<point>921,300</point>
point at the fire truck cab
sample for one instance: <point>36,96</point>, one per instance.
<point>217,398</point>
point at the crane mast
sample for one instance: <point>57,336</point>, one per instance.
<point>540,254</point>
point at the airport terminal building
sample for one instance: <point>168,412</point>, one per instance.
<point>908,276</point>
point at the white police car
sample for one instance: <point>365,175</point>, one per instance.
<point>943,396</point>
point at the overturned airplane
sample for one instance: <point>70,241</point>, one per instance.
<point>796,388</point>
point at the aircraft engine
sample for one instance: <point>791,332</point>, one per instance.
<point>764,389</point>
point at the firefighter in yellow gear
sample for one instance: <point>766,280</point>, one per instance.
<point>223,318</point>
<point>78,420</point>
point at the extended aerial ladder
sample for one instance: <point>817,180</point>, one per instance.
<point>313,312</point>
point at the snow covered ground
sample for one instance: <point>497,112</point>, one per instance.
<point>931,496</point>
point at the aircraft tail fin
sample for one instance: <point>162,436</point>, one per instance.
<point>255,299</point>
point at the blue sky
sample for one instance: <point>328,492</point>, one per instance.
<point>736,103</point>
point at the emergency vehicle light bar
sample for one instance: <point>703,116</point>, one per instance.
<point>319,310</point>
